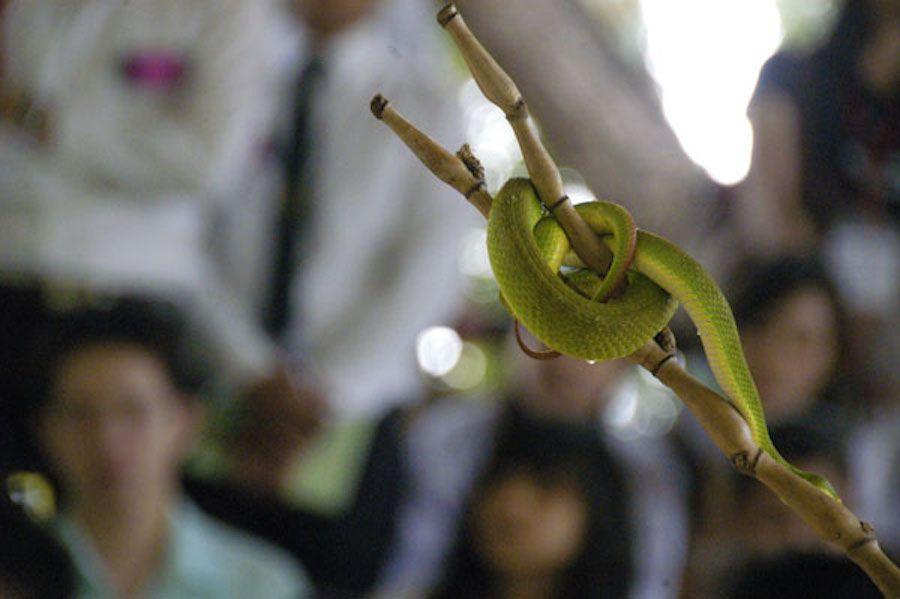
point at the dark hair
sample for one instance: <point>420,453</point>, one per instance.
<point>827,89</point>
<point>761,285</point>
<point>553,452</point>
<point>837,58</point>
<point>809,438</point>
<point>152,325</point>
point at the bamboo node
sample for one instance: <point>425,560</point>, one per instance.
<point>479,185</point>
<point>562,199</point>
<point>655,370</point>
<point>743,464</point>
<point>378,104</point>
<point>860,544</point>
<point>665,339</point>
<point>518,112</point>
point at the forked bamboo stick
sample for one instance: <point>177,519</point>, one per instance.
<point>502,91</point>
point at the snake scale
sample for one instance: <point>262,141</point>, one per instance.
<point>575,312</point>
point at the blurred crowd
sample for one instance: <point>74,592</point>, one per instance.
<point>215,266</point>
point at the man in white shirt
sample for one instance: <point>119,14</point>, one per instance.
<point>379,250</point>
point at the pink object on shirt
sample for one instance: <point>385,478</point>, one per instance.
<point>157,70</point>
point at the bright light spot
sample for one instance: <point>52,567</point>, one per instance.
<point>575,186</point>
<point>651,381</point>
<point>706,56</point>
<point>438,350</point>
<point>621,411</point>
<point>489,136</point>
<point>469,371</point>
<point>641,408</point>
<point>579,193</point>
<point>475,266</point>
<point>473,260</point>
<point>864,258</point>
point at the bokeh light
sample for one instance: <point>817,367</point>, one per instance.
<point>641,407</point>
<point>470,369</point>
<point>438,350</point>
<point>490,136</point>
<point>706,55</point>
<point>473,259</point>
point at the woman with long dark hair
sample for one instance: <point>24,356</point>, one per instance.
<point>547,519</point>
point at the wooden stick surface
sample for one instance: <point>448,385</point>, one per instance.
<point>449,168</point>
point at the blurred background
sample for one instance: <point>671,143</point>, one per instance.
<point>365,406</point>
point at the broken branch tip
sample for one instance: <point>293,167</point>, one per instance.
<point>378,104</point>
<point>447,14</point>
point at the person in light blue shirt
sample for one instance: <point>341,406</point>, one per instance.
<point>113,415</point>
<point>202,558</point>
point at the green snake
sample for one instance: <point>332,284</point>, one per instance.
<point>580,314</point>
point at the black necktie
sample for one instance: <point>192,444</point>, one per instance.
<point>294,214</point>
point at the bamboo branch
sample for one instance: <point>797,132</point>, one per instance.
<point>831,520</point>
<point>502,91</point>
<point>466,178</point>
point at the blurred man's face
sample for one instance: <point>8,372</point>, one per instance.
<point>115,429</point>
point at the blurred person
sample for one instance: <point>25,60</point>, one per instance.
<point>741,519</point>
<point>825,178</point>
<point>544,521</point>
<point>345,260</point>
<point>793,328</point>
<point>121,127</point>
<point>346,254</point>
<point>826,133</point>
<point>451,443</point>
<point>342,539</point>
<point>115,411</point>
<point>358,251</point>
<point>824,175</point>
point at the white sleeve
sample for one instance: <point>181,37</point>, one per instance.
<point>29,27</point>
<point>419,285</point>
<point>196,139</point>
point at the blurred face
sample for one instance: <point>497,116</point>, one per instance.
<point>566,387</point>
<point>525,527</point>
<point>794,353</point>
<point>115,429</point>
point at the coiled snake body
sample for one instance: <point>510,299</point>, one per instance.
<point>579,314</point>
